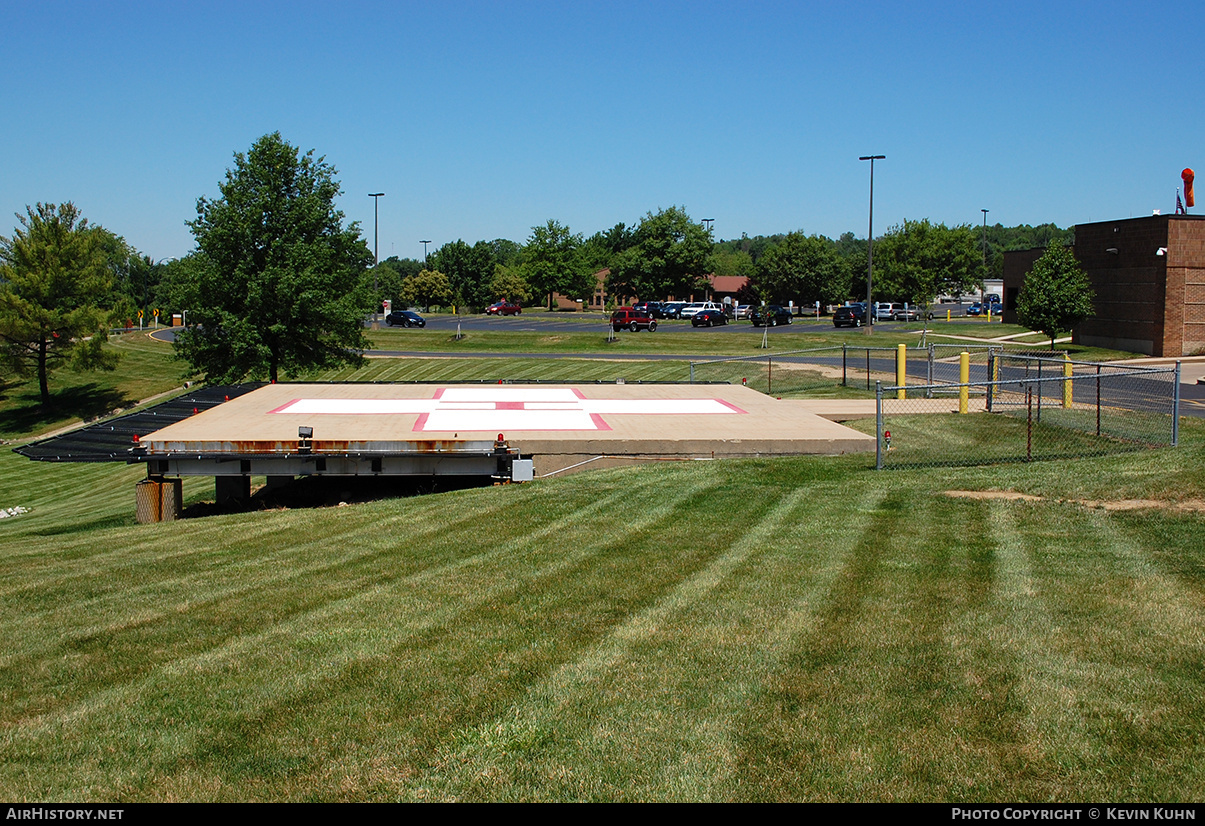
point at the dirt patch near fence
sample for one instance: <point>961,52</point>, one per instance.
<point>1188,505</point>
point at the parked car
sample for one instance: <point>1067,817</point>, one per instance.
<point>769,316</point>
<point>708,318</point>
<point>649,307</point>
<point>852,315</point>
<point>886,310</point>
<point>632,319</point>
<point>690,309</point>
<point>906,313</point>
<point>742,311</point>
<point>405,318</point>
<point>669,309</point>
<point>991,302</point>
<point>503,308</point>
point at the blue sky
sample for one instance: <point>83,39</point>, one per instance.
<point>481,120</point>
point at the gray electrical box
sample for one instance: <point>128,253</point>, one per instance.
<point>522,470</point>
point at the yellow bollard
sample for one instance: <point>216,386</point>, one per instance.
<point>964,378</point>
<point>995,377</point>
<point>901,372</point>
<point>947,315</point>
<point>1067,384</point>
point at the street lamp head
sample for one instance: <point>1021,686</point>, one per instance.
<point>872,157</point>
<point>375,194</point>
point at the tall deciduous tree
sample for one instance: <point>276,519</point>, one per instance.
<point>553,263</point>
<point>803,268</point>
<point>426,288</point>
<point>919,260</point>
<point>279,278</point>
<point>668,256</point>
<point>469,270</point>
<point>53,272</point>
<point>509,284</point>
<point>1056,294</point>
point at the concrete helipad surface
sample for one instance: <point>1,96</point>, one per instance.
<point>560,426</point>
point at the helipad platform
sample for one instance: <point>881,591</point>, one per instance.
<point>459,429</point>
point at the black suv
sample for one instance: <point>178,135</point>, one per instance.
<point>852,316</point>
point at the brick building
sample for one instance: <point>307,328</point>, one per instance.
<point>1149,278</point>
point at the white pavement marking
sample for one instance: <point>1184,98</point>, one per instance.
<point>509,408</point>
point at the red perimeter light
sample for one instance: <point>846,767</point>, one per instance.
<point>501,438</point>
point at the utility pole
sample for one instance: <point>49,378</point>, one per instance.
<point>982,292</point>
<point>870,245</point>
<point>376,278</point>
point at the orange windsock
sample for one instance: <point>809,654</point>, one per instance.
<point>1187,176</point>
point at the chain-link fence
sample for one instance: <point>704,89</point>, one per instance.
<point>1027,408</point>
<point>792,372</point>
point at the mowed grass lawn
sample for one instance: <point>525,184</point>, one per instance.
<point>802,629</point>
<point>778,629</point>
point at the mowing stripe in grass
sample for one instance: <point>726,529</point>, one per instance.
<point>150,591</point>
<point>276,651</point>
<point>627,733</point>
<point>286,571</point>
<point>857,707</point>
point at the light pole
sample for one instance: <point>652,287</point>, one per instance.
<point>870,244</point>
<point>424,243</point>
<point>981,292</point>
<point>708,222</point>
<point>376,200</point>
<point>376,278</point>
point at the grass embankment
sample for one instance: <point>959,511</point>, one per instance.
<point>793,629</point>
<point>799,629</point>
<point>146,369</point>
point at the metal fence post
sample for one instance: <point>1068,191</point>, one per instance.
<point>867,368</point>
<point>929,374</point>
<point>769,375</point>
<point>1098,400</point>
<point>692,372</point>
<point>991,378</point>
<point>878,424</point>
<point>1029,423</point>
<point>1176,408</point>
<point>843,384</point>
<point>1040,389</point>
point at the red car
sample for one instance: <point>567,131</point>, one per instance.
<point>626,318</point>
<point>503,308</point>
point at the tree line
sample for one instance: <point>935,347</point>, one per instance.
<point>280,283</point>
